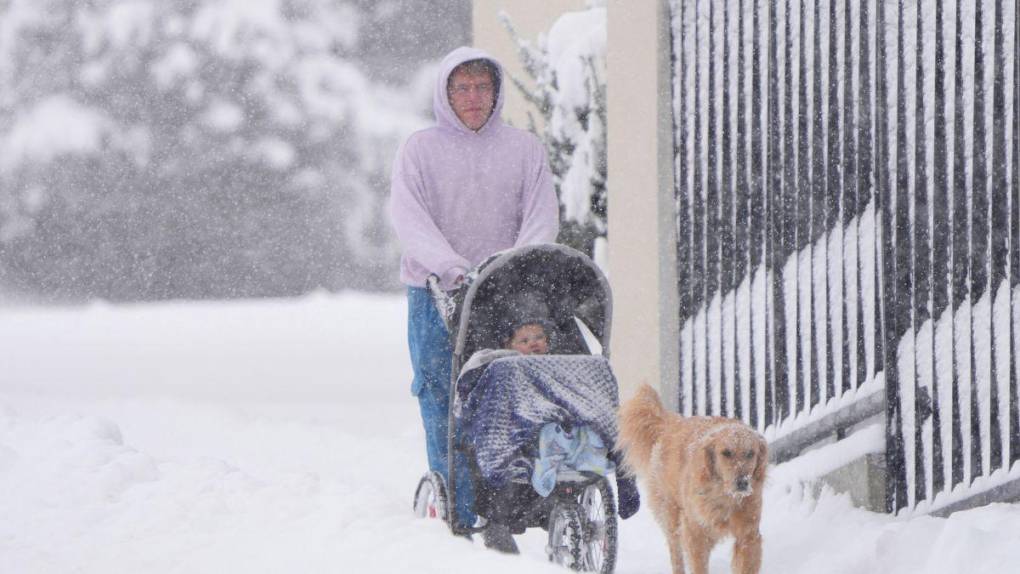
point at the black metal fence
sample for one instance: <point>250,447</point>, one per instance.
<point>848,215</point>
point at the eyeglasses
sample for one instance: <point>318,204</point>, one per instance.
<point>465,89</point>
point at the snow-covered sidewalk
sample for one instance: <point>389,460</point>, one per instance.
<point>280,436</point>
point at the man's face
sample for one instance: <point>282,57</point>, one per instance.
<point>472,97</point>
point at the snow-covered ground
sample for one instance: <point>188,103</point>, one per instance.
<point>280,436</point>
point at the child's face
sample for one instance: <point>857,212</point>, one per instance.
<point>529,340</point>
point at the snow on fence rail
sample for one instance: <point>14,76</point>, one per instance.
<point>848,218</point>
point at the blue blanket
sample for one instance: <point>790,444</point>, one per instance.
<point>561,449</point>
<point>516,396</point>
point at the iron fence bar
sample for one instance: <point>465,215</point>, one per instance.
<point>792,381</point>
<point>895,479</point>
<point>712,282</point>
<point>698,213</point>
<point>863,177</point>
<point>961,289</point>
<point>940,240</point>
<point>998,227</point>
<point>757,242</point>
<point>921,264</point>
<point>776,236</point>
<point>1014,427</point>
<point>879,173</point>
<point>726,224</point>
<point>978,236</point>
<point>742,215</point>
<point>683,205</point>
<point>848,201</point>
<point>833,187</point>
<point>818,203</point>
<point>903,242</point>
<point>805,354</point>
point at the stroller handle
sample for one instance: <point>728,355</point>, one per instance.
<point>443,300</point>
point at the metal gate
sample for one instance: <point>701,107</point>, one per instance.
<point>848,218</point>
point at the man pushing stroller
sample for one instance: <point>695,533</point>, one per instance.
<point>462,190</point>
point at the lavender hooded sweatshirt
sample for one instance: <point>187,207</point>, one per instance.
<point>458,196</point>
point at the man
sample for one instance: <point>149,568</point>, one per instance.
<point>462,190</point>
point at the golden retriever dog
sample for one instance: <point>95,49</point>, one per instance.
<point>704,476</point>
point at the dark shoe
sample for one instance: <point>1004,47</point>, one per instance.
<point>498,537</point>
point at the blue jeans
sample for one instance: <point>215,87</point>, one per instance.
<point>431,355</point>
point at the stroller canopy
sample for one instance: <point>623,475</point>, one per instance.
<point>552,282</point>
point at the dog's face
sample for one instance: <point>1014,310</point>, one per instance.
<point>736,457</point>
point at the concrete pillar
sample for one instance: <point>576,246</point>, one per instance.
<point>642,234</point>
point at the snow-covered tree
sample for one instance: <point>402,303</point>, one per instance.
<point>193,148</point>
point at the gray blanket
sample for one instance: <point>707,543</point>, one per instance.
<point>515,396</point>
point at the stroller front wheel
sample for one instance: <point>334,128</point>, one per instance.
<point>430,500</point>
<point>564,546</point>
<point>583,530</point>
<point>598,527</point>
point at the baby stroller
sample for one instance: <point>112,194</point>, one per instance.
<point>497,417</point>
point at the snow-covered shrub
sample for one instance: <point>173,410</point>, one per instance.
<point>568,68</point>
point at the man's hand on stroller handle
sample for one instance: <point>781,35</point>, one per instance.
<point>443,300</point>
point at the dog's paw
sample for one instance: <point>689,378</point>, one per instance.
<point>630,500</point>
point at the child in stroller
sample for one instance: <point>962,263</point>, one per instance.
<point>527,333</point>
<point>529,338</point>
<point>506,403</point>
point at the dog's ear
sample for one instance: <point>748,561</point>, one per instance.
<point>708,468</point>
<point>762,462</point>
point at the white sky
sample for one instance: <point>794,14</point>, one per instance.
<point>280,436</point>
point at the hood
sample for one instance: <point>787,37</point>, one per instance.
<point>445,115</point>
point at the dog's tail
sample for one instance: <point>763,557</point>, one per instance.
<point>642,419</point>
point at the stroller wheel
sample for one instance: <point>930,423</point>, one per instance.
<point>430,499</point>
<point>598,528</point>
<point>564,546</point>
